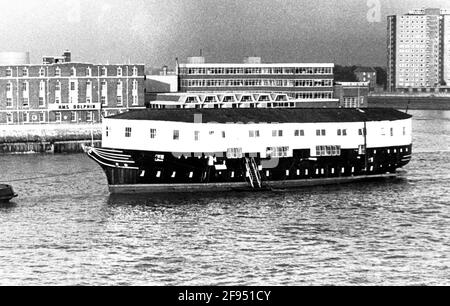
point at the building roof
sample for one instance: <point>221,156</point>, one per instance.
<point>262,65</point>
<point>261,115</point>
<point>365,69</point>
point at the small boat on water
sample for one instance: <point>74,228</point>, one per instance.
<point>6,193</point>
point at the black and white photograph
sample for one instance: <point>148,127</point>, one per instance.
<point>207,144</point>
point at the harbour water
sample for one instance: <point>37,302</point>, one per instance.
<point>65,228</point>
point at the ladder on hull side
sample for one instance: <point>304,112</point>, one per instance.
<point>254,175</point>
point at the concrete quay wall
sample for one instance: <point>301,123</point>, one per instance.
<point>48,138</point>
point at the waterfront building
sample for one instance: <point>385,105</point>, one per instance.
<point>419,50</point>
<point>352,94</point>
<point>65,58</point>
<point>311,82</point>
<point>68,92</point>
<point>161,81</point>
<point>367,74</point>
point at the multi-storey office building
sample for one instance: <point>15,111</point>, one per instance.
<point>68,92</point>
<point>309,82</point>
<point>419,50</point>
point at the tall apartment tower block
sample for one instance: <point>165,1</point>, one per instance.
<point>419,50</point>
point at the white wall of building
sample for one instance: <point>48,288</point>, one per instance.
<point>237,135</point>
<point>446,42</point>
<point>170,80</point>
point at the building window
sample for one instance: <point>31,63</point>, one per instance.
<point>8,86</point>
<point>73,72</point>
<point>321,132</point>
<point>223,134</point>
<point>404,131</point>
<point>119,101</point>
<point>135,100</point>
<point>25,102</point>
<point>58,86</point>
<point>24,86</point>
<point>25,72</point>
<point>41,101</point>
<point>9,72</point>
<point>328,150</point>
<point>392,132</point>
<point>41,117</point>
<point>135,71</point>
<point>9,102</point>
<point>278,133</point>
<point>89,116</point>
<point>25,117</point>
<point>152,133</point>
<point>197,135</point>
<point>176,135</point>
<point>103,100</point>
<point>89,71</point>
<point>72,86</point>
<point>119,71</point>
<point>58,71</point>
<point>73,116</point>
<point>104,71</point>
<point>253,134</point>
<point>342,132</point>
<point>274,152</point>
<point>9,118</point>
<point>42,72</point>
<point>299,133</point>
<point>58,117</point>
<point>127,132</point>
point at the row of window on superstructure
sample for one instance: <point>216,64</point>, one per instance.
<point>43,72</point>
<point>257,82</point>
<point>261,98</point>
<point>261,70</point>
<point>275,133</point>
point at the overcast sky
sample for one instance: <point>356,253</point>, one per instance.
<point>155,32</point>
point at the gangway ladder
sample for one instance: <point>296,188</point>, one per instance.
<point>254,175</point>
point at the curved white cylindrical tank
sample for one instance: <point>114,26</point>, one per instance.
<point>14,58</point>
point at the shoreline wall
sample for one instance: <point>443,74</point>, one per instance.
<point>48,138</point>
<point>415,102</point>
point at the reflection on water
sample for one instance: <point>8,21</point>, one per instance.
<point>68,230</point>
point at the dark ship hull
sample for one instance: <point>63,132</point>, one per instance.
<point>144,171</point>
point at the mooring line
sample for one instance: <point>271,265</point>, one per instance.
<point>50,176</point>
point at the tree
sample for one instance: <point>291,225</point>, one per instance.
<point>345,73</point>
<point>381,76</point>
